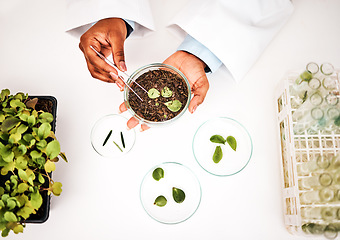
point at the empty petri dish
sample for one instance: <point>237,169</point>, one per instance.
<point>175,175</point>
<point>110,137</point>
<point>232,161</point>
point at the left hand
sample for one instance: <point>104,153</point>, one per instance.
<point>193,68</point>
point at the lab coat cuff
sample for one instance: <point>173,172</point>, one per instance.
<point>194,47</point>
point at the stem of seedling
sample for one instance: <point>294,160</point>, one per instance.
<point>117,146</point>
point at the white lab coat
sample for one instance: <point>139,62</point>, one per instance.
<point>237,32</point>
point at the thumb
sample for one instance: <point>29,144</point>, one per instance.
<point>117,47</point>
<point>199,91</point>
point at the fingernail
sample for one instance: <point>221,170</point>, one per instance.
<point>194,109</point>
<point>122,66</point>
<point>114,76</point>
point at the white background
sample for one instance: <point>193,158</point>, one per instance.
<point>100,198</point>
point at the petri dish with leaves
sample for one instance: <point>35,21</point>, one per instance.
<point>222,146</point>
<point>170,193</point>
<point>110,137</point>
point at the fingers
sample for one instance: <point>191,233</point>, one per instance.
<point>117,45</point>
<point>132,122</point>
<point>199,90</point>
<point>97,67</point>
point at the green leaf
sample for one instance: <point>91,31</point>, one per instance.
<point>174,106</point>
<point>217,154</point>
<point>31,120</point>
<point>36,199</point>
<point>22,149</point>
<point>166,92</point>
<point>56,188</point>
<point>21,162</point>
<point>41,145</point>
<point>45,117</point>
<point>5,232</point>
<point>178,195</point>
<point>41,178</point>
<point>53,149</point>
<point>63,156</point>
<point>44,130</point>
<point>22,187</point>
<point>9,123</point>
<point>25,212</point>
<point>18,229</point>
<point>22,174</point>
<point>158,173</point>
<point>17,103</point>
<point>11,204</point>
<point>153,93</point>
<point>7,154</point>
<point>35,154</point>
<point>160,201</point>
<point>49,166</point>
<point>4,94</point>
<point>217,139</point>
<point>22,128</point>
<point>10,217</point>
<point>232,142</point>
<point>15,137</point>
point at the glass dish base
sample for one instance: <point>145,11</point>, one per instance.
<point>232,161</point>
<point>175,175</point>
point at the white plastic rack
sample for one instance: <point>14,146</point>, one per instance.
<point>297,149</point>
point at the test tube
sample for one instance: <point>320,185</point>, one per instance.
<point>313,120</point>
<point>317,196</point>
<point>332,114</point>
<point>319,163</point>
<point>321,180</point>
<point>301,92</point>
<point>311,69</point>
<point>327,69</point>
<point>327,214</point>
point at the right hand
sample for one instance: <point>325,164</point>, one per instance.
<point>107,36</point>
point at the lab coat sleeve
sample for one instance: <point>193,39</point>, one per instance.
<point>237,32</point>
<point>82,14</point>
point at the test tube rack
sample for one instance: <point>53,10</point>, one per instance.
<point>296,149</point>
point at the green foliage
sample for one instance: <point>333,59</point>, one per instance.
<point>217,139</point>
<point>178,195</point>
<point>232,142</point>
<point>218,154</point>
<point>160,201</point>
<point>28,152</point>
<point>174,106</point>
<point>158,173</point>
<point>153,93</point>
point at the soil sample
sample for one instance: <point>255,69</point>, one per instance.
<point>166,98</point>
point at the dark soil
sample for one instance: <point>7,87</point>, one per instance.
<point>154,109</point>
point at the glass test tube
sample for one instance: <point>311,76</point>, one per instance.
<point>319,163</point>
<point>321,180</point>
<point>313,120</point>
<point>311,69</point>
<point>317,196</point>
<point>301,92</point>
<point>325,213</point>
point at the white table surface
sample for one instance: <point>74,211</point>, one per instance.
<point>100,198</point>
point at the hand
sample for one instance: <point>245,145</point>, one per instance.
<point>107,36</point>
<point>193,68</point>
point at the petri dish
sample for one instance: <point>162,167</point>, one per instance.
<point>114,146</point>
<point>232,161</point>
<point>178,176</point>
